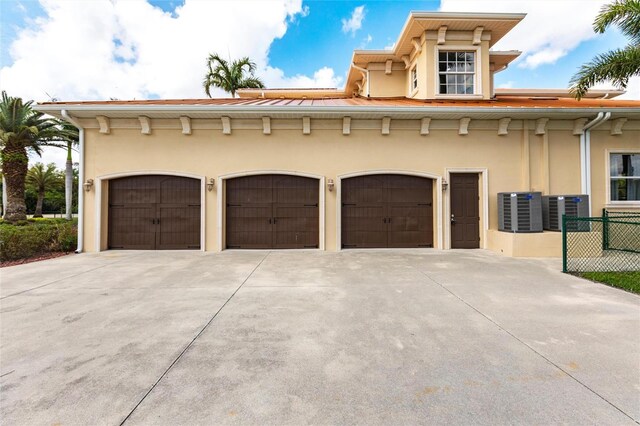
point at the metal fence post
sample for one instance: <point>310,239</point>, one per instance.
<point>605,229</point>
<point>564,243</point>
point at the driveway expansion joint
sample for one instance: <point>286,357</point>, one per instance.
<point>531,348</point>
<point>62,279</point>
<point>175,361</point>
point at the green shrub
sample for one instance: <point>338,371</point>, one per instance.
<point>35,237</point>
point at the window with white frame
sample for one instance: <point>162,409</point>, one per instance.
<point>456,72</point>
<point>414,78</point>
<point>624,176</point>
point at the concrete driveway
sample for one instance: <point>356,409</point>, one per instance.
<point>290,337</point>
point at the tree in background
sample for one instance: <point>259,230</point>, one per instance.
<point>42,178</point>
<point>230,77</point>
<point>69,137</point>
<point>618,65</point>
<point>22,130</point>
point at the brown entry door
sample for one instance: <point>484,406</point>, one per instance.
<point>380,211</point>
<point>272,211</point>
<point>465,217</point>
<point>154,212</point>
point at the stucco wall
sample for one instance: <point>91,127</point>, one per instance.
<point>601,144</point>
<point>388,85</point>
<point>327,152</point>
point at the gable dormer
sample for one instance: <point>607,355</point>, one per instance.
<point>437,56</point>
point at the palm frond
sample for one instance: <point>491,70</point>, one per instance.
<point>252,83</point>
<point>230,77</point>
<point>625,14</point>
<point>616,66</point>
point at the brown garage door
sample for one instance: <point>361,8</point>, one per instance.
<point>154,212</point>
<point>387,211</point>
<point>272,211</point>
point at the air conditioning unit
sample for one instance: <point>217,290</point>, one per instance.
<point>520,211</point>
<point>554,206</point>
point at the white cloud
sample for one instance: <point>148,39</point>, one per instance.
<point>365,41</point>
<point>507,85</point>
<point>324,78</point>
<point>52,155</point>
<point>129,49</point>
<point>550,30</point>
<point>354,23</point>
<point>631,92</point>
<point>633,89</point>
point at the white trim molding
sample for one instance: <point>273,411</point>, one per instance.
<point>437,209</point>
<point>145,125</point>
<point>346,126</point>
<point>617,124</point>
<point>221,197</point>
<point>185,121</point>
<point>107,177</point>
<point>103,122</point>
<point>484,181</point>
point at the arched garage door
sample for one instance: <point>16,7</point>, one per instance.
<point>272,211</point>
<point>154,212</point>
<point>387,210</point>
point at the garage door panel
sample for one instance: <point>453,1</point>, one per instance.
<point>364,239</point>
<point>272,211</point>
<point>409,239</point>
<point>359,218</point>
<point>244,220</point>
<point>295,239</point>
<point>250,196</point>
<point>136,196</point>
<point>300,211</point>
<point>179,228</point>
<point>239,211</point>
<point>179,190</point>
<point>297,195</point>
<point>138,219</point>
<point>363,226</point>
<point>132,227</point>
<point>402,217</point>
<point>363,190</point>
<point>362,195</point>
<point>409,195</point>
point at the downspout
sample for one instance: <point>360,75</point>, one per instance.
<point>364,70</point>
<point>585,153</point>
<point>73,121</point>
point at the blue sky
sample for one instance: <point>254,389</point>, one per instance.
<point>313,39</point>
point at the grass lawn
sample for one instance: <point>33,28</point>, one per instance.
<point>629,280</point>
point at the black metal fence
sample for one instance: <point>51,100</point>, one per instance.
<point>598,246</point>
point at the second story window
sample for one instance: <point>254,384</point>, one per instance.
<point>414,78</point>
<point>456,72</point>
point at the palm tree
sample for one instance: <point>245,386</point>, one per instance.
<point>69,137</point>
<point>618,65</point>
<point>22,130</point>
<point>41,179</point>
<point>230,77</point>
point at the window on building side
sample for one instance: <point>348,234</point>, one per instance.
<point>456,71</point>
<point>414,78</point>
<point>624,177</point>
